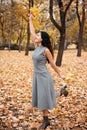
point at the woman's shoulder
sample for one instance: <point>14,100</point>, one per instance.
<point>46,49</point>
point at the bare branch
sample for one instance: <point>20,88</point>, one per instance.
<point>51,15</point>
<point>77,12</point>
<point>68,5</point>
<point>83,12</point>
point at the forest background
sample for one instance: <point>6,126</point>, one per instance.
<point>66,23</point>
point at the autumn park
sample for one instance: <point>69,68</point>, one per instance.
<point>66,23</point>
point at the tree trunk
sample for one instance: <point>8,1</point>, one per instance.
<point>81,26</point>
<point>28,39</point>
<point>2,24</point>
<point>30,4</point>
<point>61,49</point>
<point>61,27</point>
<point>20,41</point>
<point>80,43</point>
<point>11,25</point>
<point>10,36</point>
<point>20,37</point>
<point>3,37</point>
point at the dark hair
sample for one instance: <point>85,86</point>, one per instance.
<point>46,41</point>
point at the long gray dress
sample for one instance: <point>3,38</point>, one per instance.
<point>43,95</point>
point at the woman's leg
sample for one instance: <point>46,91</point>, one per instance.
<point>46,121</point>
<point>45,112</point>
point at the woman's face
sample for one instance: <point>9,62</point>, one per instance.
<point>38,38</point>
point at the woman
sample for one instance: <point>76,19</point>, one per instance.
<point>43,95</point>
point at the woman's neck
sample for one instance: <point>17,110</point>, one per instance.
<point>39,45</point>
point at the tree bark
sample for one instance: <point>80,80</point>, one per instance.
<point>80,41</point>
<point>11,25</point>
<point>61,27</point>
<point>28,39</point>
<point>30,4</point>
<point>60,51</point>
<point>81,26</point>
<point>2,23</point>
<point>2,28</point>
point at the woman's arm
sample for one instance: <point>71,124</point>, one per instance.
<point>32,29</point>
<point>50,58</point>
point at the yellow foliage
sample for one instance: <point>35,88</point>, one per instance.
<point>34,11</point>
<point>69,78</point>
<point>20,11</point>
<point>36,24</point>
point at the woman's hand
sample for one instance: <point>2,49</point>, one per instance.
<point>62,77</point>
<point>30,15</point>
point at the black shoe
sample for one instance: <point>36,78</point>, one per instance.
<point>44,125</point>
<point>63,91</point>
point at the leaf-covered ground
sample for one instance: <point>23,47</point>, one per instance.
<point>16,112</point>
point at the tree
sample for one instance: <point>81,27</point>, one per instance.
<point>2,21</point>
<point>21,34</point>
<point>11,23</point>
<point>63,8</point>
<point>30,4</point>
<point>85,35</point>
<point>81,20</point>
